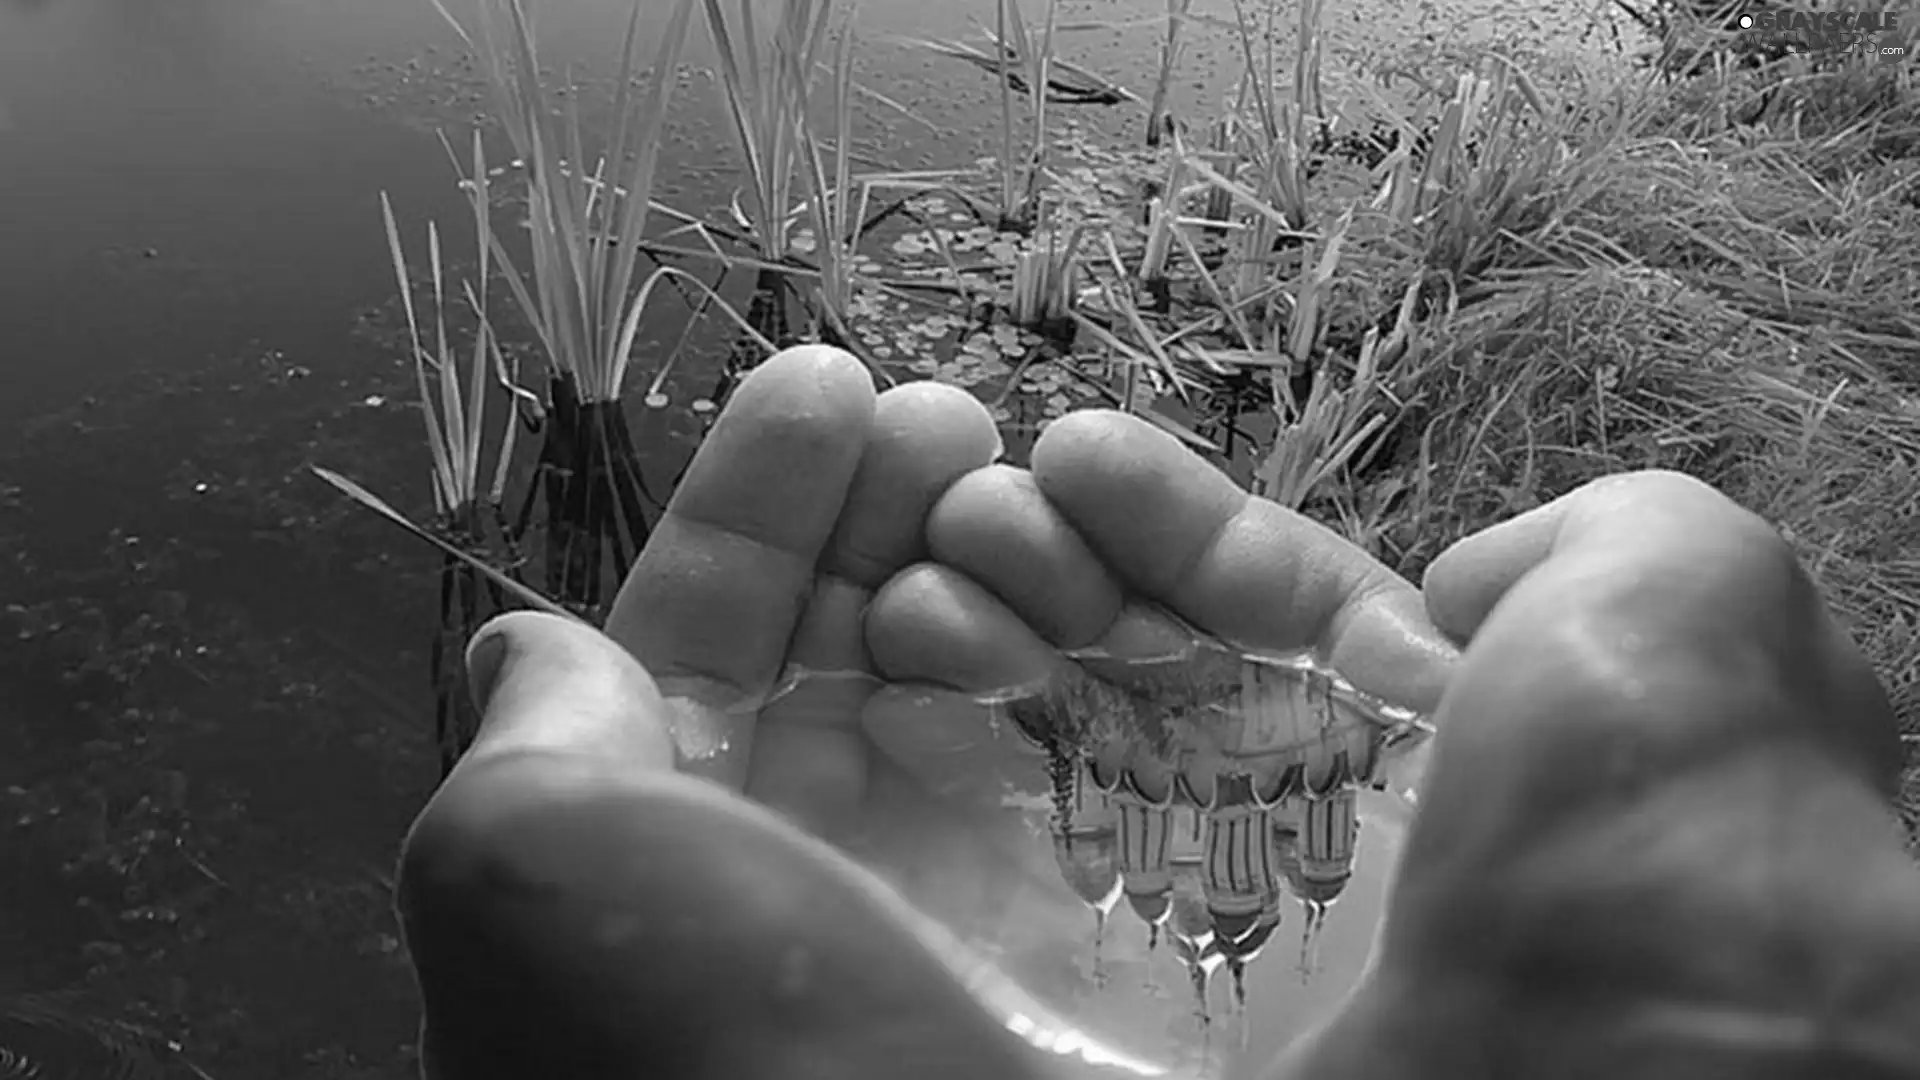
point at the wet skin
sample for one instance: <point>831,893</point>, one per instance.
<point>1654,838</point>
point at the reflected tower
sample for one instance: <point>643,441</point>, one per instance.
<point>1239,879</point>
<point>1195,939</point>
<point>1086,847</point>
<point>1144,831</point>
<point>1316,861</point>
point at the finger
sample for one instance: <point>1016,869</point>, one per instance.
<point>995,526</point>
<point>552,685</point>
<point>933,624</point>
<point>811,759</point>
<point>1178,531</point>
<point>926,436</point>
<point>568,917</point>
<point>1703,570</point>
<point>943,640</point>
<point>711,603</point>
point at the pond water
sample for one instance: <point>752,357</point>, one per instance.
<point>214,703</point>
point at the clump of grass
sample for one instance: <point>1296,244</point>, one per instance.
<point>837,203</point>
<point>580,289</point>
<point>1026,68</point>
<point>1040,296</point>
<point>468,496</point>
<point>767,75</point>
<point>457,431</point>
<point>1743,314</point>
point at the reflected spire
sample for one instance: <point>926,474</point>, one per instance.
<point>1195,939</point>
<point>1238,872</point>
<point>1144,832</point>
<point>1318,862</point>
<point>1086,848</point>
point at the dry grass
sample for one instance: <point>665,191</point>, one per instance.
<point>1719,286</point>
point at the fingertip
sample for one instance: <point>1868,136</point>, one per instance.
<point>837,373</point>
<point>548,684</point>
<point>776,464</point>
<point>1468,579</point>
<point>1088,437</point>
<point>945,414</point>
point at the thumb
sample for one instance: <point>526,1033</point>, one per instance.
<point>544,683</point>
<point>575,907</point>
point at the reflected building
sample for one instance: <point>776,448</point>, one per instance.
<point>1313,842</point>
<point>1086,848</point>
<point>1236,787</point>
<point>1144,832</point>
<point>1196,941</point>
<point>1240,880</point>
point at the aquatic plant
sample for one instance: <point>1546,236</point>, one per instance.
<point>1171,50</point>
<point>767,78</point>
<point>580,292</point>
<point>836,204</point>
<point>1028,69</point>
<point>469,508</point>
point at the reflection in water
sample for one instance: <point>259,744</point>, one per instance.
<point>1209,878</point>
<point>1189,798</point>
<point>1200,784</point>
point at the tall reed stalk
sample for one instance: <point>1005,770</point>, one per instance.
<point>1171,49</point>
<point>766,76</point>
<point>836,203</point>
<point>1020,176</point>
<point>578,288</point>
<point>468,506</point>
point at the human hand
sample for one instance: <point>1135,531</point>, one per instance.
<point>589,894</point>
<point>576,909</point>
<point>1654,837</point>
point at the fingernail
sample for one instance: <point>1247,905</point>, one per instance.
<point>486,655</point>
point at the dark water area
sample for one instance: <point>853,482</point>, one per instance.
<point>214,708</point>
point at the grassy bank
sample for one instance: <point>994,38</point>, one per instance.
<point>1409,302</point>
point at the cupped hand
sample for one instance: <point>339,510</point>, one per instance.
<point>578,903</point>
<point>1655,838</point>
<point>642,865</point>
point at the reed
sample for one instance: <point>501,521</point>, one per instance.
<point>1172,48</point>
<point>1030,78</point>
<point>468,506</point>
<point>837,202</point>
<point>1040,295</point>
<point>766,77</point>
<point>579,289</point>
